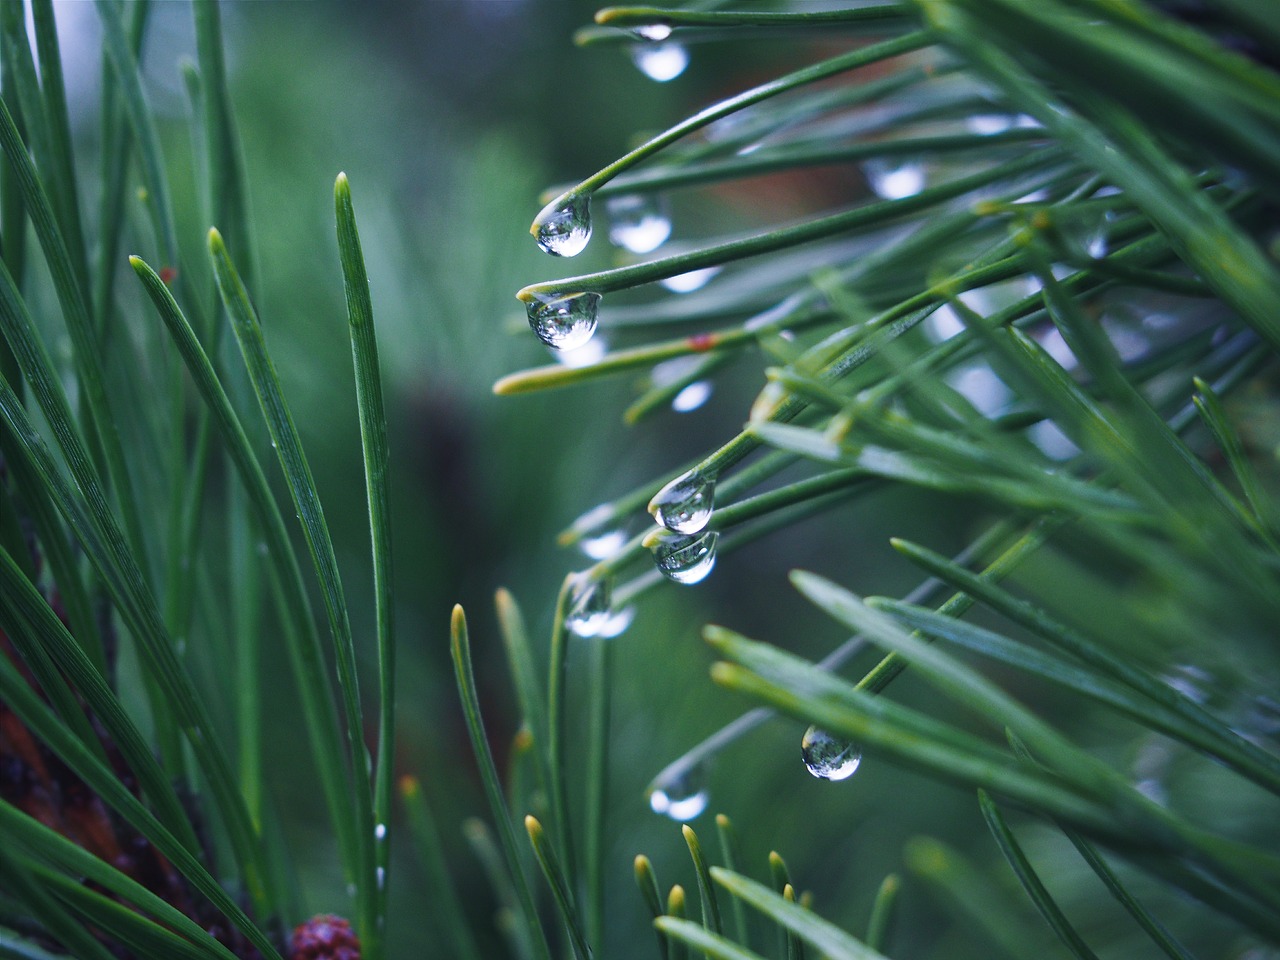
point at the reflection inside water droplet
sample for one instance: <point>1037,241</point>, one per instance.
<point>660,61</point>
<point>684,505</point>
<point>691,281</point>
<point>563,321</point>
<point>827,757</point>
<point>638,222</point>
<point>682,797</point>
<point>894,181</point>
<point>563,231</point>
<point>686,559</point>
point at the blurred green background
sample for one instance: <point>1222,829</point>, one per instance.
<point>450,117</point>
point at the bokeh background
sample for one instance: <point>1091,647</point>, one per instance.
<point>450,117</point>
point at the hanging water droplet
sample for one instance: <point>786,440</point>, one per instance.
<point>684,505</point>
<point>986,124</point>
<point>638,222</point>
<point>681,798</point>
<point>563,231</point>
<point>683,558</point>
<point>692,397</point>
<point>616,623</point>
<point>894,181</point>
<point>654,32</point>
<point>827,757</point>
<point>604,544</point>
<point>660,61</point>
<point>380,832</point>
<point>380,877</point>
<point>564,321</point>
<point>589,606</point>
<point>691,281</point>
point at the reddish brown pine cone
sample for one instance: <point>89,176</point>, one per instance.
<point>325,937</point>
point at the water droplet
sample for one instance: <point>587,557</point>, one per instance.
<point>691,281</point>
<point>380,877</point>
<point>692,397</point>
<point>564,321</point>
<point>589,606</point>
<point>685,558</point>
<point>681,798</point>
<point>563,231</point>
<point>604,544</point>
<point>351,889</point>
<point>380,832</point>
<point>684,505</point>
<point>894,181</point>
<point>985,124</point>
<point>616,623</point>
<point>827,757</point>
<point>654,32</point>
<point>638,222</point>
<point>660,61</point>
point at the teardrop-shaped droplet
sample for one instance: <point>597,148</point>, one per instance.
<point>564,321</point>
<point>692,397</point>
<point>686,559</point>
<point>563,231</point>
<point>894,181</point>
<point>660,61</point>
<point>684,505</point>
<point>654,32</point>
<point>601,545</point>
<point>616,623</point>
<point>682,797</point>
<point>988,124</point>
<point>827,757</point>
<point>690,281</point>
<point>638,222</point>
<point>589,606</point>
